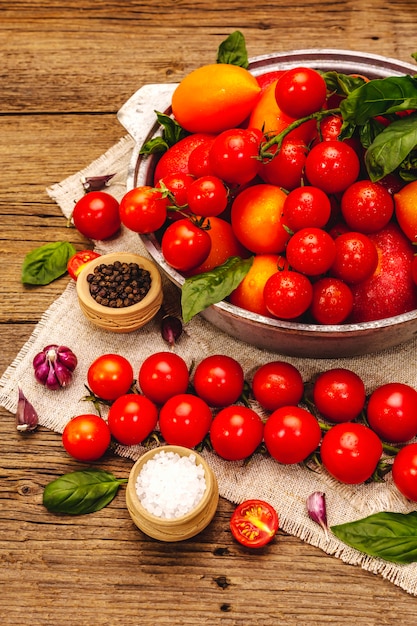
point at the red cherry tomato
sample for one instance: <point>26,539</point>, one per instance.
<point>184,420</point>
<point>185,245</point>
<point>132,417</point>
<point>234,155</point>
<point>332,301</point>
<point>291,434</point>
<point>392,412</point>
<point>86,437</point>
<point>288,294</point>
<point>219,380</point>
<point>143,209</point>
<point>300,92</point>
<point>356,257</point>
<point>286,169</point>
<point>236,432</point>
<point>254,523</point>
<point>96,215</point>
<point>177,184</point>
<point>367,207</point>
<point>163,375</point>
<point>332,166</point>
<point>277,384</point>
<point>199,161</point>
<point>311,251</point>
<point>404,471</point>
<point>350,452</point>
<point>339,394</point>
<point>207,196</point>
<point>306,206</point>
<point>79,260</point>
<point>110,376</point>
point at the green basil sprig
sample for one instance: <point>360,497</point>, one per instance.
<point>81,492</point>
<point>389,536</point>
<point>172,132</point>
<point>200,291</point>
<point>233,50</point>
<point>44,264</point>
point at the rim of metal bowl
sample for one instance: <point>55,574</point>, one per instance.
<point>326,59</point>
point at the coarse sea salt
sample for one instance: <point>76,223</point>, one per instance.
<point>169,485</point>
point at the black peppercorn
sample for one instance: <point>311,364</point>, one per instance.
<point>119,285</point>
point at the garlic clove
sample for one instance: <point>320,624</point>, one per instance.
<point>316,509</point>
<point>26,416</point>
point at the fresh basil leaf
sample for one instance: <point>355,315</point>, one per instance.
<point>381,96</point>
<point>342,84</point>
<point>46,263</point>
<point>390,147</point>
<point>81,492</point>
<point>172,132</point>
<point>233,50</point>
<point>203,290</point>
<point>389,536</point>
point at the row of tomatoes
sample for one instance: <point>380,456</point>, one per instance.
<point>209,407</point>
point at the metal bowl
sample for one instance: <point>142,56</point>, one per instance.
<point>286,338</point>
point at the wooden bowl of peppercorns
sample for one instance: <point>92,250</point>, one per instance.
<point>120,291</point>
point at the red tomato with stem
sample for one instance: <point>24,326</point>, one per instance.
<point>392,412</point>
<point>311,251</point>
<point>219,380</point>
<point>86,437</point>
<point>177,185</point>
<point>78,261</point>
<point>339,394</point>
<point>185,244</point>
<point>350,452</point>
<point>184,420</point>
<point>332,166</point>
<point>110,376</point>
<point>132,418</point>
<point>332,301</point>
<point>404,471</point>
<point>300,91</point>
<point>236,432</point>
<point>254,523</point>
<point>286,168</point>
<point>144,209</point>
<point>234,155</point>
<point>291,434</point>
<point>163,375</point>
<point>96,215</point>
<point>288,294</point>
<point>277,384</point>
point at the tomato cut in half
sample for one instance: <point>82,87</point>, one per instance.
<point>79,260</point>
<point>254,523</point>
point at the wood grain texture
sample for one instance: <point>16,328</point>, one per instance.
<point>66,69</point>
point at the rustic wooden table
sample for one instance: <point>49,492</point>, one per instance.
<point>66,69</point>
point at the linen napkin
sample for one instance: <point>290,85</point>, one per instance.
<point>285,487</point>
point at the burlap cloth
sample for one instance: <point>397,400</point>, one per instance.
<point>285,487</point>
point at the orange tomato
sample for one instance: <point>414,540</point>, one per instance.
<point>406,210</point>
<point>249,294</point>
<point>256,218</point>
<point>224,244</point>
<point>214,98</point>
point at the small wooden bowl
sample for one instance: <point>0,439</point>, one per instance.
<point>180,528</point>
<point>126,319</point>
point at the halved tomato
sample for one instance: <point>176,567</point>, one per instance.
<point>79,260</point>
<point>254,523</point>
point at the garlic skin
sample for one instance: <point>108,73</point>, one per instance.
<point>316,509</point>
<point>171,329</point>
<point>54,366</point>
<point>26,416</point>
